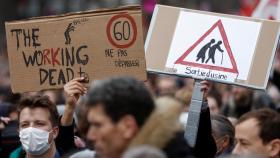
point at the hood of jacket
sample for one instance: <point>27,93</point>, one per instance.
<point>161,126</point>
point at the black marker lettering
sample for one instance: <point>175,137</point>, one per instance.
<point>17,31</point>
<point>35,37</point>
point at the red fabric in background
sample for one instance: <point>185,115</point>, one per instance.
<point>247,7</point>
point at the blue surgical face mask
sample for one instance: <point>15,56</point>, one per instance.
<point>34,140</point>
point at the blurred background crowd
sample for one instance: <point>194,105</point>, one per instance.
<point>230,101</point>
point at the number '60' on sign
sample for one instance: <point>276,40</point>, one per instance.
<point>121,31</point>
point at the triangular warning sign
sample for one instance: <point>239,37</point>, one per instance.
<point>205,64</point>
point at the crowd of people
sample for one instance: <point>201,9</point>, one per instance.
<point>121,117</point>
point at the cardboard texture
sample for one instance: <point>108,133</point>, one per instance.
<point>47,52</point>
<point>178,37</point>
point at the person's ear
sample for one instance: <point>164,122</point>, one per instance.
<point>226,142</point>
<point>128,126</point>
<point>274,148</point>
<point>54,133</point>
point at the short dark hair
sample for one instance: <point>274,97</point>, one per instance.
<point>39,101</point>
<point>120,96</point>
<point>268,122</point>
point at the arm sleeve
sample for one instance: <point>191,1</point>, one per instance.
<point>205,143</point>
<point>65,139</point>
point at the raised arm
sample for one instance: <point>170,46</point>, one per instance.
<point>72,90</point>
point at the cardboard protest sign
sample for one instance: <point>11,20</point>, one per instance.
<point>47,52</point>
<point>203,45</point>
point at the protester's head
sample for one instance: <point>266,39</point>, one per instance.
<point>214,99</point>
<point>258,132</point>
<point>144,152</point>
<point>166,86</point>
<point>118,107</point>
<point>213,105</point>
<point>38,124</point>
<point>242,156</point>
<point>184,95</point>
<point>223,133</point>
<point>242,96</point>
<point>54,95</point>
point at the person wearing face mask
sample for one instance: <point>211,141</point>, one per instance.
<point>38,127</point>
<point>64,139</point>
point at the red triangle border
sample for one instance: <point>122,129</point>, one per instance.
<point>226,44</point>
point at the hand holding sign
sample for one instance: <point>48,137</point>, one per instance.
<point>205,86</point>
<point>73,90</point>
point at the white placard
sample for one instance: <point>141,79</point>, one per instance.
<point>212,46</point>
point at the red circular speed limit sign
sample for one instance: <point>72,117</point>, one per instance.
<point>121,31</point>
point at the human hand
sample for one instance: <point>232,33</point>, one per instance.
<point>4,121</point>
<point>205,86</point>
<point>73,90</point>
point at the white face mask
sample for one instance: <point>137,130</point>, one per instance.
<point>34,140</point>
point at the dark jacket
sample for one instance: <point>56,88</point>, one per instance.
<point>205,144</point>
<point>276,78</point>
<point>65,139</point>
<point>178,147</point>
